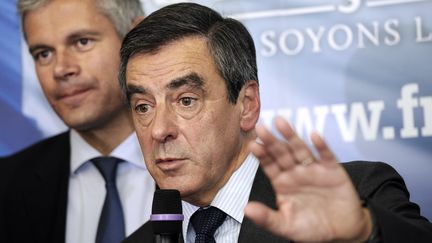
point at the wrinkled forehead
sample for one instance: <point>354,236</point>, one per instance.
<point>179,58</point>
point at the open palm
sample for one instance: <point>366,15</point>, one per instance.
<point>315,197</point>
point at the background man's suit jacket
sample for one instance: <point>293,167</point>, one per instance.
<point>35,200</point>
<point>379,184</point>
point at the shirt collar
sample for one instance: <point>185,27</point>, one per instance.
<point>233,196</point>
<point>81,151</point>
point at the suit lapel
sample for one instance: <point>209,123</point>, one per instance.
<point>46,194</point>
<point>261,191</point>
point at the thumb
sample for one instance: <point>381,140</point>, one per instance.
<point>262,216</point>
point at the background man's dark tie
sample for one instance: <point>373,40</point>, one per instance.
<point>111,226</point>
<point>205,222</point>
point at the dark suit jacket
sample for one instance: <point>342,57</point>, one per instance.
<point>35,200</point>
<point>6,170</point>
<point>379,184</point>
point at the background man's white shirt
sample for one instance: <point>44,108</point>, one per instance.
<point>87,189</point>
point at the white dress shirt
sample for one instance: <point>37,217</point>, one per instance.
<point>87,189</point>
<point>232,199</point>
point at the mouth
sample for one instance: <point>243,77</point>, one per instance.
<point>169,164</point>
<point>74,97</point>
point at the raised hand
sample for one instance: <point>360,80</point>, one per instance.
<point>315,197</point>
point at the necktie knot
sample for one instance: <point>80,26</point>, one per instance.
<point>205,223</point>
<point>107,166</point>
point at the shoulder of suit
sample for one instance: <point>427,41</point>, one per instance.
<point>364,167</point>
<point>49,145</point>
<point>367,176</point>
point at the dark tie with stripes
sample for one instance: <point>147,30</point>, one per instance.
<point>205,223</point>
<point>111,226</point>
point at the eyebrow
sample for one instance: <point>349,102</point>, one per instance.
<point>36,47</point>
<point>81,33</point>
<point>132,89</point>
<point>192,80</point>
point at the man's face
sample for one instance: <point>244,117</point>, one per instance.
<point>190,134</point>
<point>76,53</point>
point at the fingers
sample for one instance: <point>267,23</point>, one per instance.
<point>276,149</point>
<point>262,216</point>
<point>300,150</point>
<point>270,167</point>
<point>325,154</point>
<point>279,155</point>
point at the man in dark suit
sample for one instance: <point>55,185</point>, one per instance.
<point>374,181</point>
<point>61,189</point>
<point>191,80</point>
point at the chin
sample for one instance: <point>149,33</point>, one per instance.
<point>81,127</point>
<point>84,123</point>
<point>169,183</point>
<point>177,184</point>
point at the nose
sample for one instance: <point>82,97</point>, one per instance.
<point>66,65</point>
<point>164,125</point>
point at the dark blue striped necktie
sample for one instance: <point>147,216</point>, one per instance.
<point>205,223</point>
<point>111,228</point>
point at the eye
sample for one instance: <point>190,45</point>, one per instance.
<point>43,57</point>
<point>188,105</point>
<point>84,44</point>
<point>142,108</point>
<point>187,101</point>
<point>83,41</point>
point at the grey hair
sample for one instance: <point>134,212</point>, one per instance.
<point>120,12</point>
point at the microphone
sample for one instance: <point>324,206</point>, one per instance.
<point>167,216</point>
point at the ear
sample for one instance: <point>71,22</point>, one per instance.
<point>250,105</point>
<point>136,21</point>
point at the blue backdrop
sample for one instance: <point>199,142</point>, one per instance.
<point>356,71</point>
